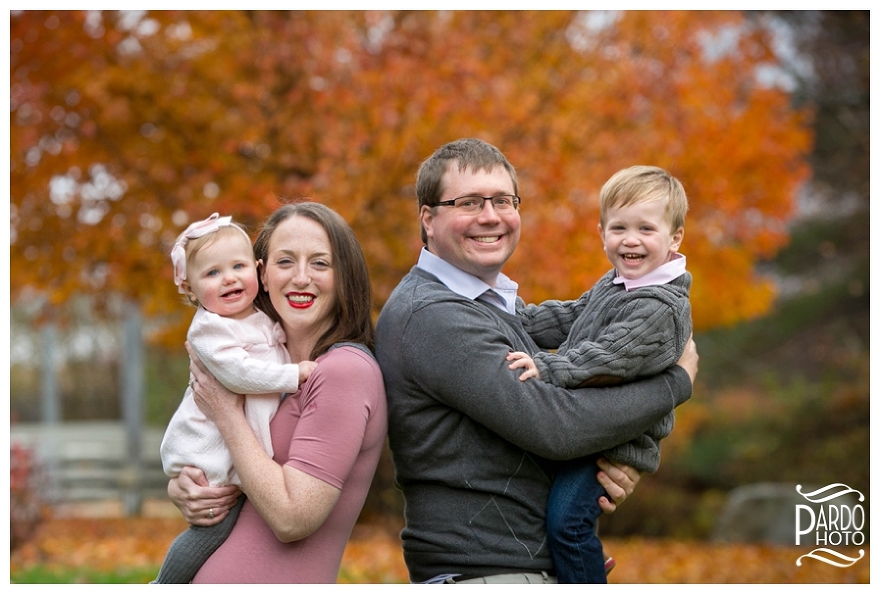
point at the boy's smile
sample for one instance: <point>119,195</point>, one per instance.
<point>637,238</point>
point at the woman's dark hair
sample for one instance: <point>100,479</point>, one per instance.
<point>353,321</point>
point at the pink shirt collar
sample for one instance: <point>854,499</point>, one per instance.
<point>659,276</point>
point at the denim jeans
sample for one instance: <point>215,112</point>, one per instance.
<point>572,513</point>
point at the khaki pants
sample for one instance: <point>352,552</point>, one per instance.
<point>509,578</point>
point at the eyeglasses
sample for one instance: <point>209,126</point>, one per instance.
<point>503,203</point>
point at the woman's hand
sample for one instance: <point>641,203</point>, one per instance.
<point>211,396</point>
<point>619,481</point>
<point>200,504</point>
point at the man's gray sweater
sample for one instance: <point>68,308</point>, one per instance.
<point>472,444</point>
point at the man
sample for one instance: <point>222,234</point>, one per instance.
<point>472,444</point>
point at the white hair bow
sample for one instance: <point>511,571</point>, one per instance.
<point>197,229</point>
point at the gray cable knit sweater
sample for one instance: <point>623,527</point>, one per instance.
<point>471,442</point>
<point>615,335</point>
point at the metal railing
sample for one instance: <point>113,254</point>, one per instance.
<point>89,461</point>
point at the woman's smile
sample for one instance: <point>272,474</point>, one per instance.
<point>299,279</point>
<point>300,300</point>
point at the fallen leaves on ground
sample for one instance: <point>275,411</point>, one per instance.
<point>374,555</point>
<point>663,561</point>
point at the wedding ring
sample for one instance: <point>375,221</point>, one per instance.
<point>191,382</point>
<point>211,514</point>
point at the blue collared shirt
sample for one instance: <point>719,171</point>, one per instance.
<point>502,295</point>
<point>659,276</point>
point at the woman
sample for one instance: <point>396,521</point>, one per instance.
<point>302,503</point>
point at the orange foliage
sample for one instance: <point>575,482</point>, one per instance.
<point>740,405</point>
<point>195,112</point>
<point>643,561</point>
<point>374,555</point>
<point>688,421</point>
<point>102,544</point>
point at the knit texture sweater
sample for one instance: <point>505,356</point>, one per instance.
<point>247,356</point>
<point>472,444</point>
<point>615,336</point>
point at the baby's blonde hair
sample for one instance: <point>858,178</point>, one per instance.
<point>643,183</point>
<point>194,246</point>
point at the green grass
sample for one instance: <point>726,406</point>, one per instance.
<point>44,575</point>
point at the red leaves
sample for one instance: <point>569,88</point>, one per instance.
<point>342,106</point>
<point>26,509</point>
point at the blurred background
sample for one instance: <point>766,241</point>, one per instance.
<point>127,126</point>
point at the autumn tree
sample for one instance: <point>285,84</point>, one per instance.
<point>126,126</point>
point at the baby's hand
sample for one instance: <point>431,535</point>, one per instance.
<point>523,360</point>
<point>305,370</point>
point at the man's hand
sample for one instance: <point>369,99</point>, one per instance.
<point>690,358</point>
<point>619,481</point>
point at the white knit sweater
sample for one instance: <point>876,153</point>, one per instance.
<point>248,357</point>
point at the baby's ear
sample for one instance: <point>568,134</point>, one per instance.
<point>187,290</point>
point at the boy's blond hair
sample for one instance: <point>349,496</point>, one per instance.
<point>643,183</point>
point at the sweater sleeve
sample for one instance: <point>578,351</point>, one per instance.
<point>467,371</point>
<point>219,347</point>
<point>643,452</point>
<point>549,323</point>
<point>640,339</point>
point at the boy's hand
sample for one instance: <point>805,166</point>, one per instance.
<point>523,360</point>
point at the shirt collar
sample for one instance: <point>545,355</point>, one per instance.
<point>659,276</point>
<point>502,295</point>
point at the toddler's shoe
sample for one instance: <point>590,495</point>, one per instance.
<point>609,564</point>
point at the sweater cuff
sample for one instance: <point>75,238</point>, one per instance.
<point>680,385</point>
<point>543,368</point>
